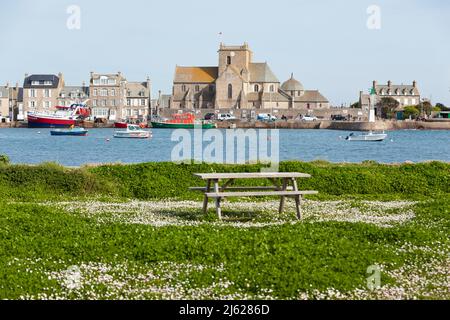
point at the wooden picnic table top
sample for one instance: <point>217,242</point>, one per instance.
<point>251,175</point>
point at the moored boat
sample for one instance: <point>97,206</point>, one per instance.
<point>133,132</point>
<point>69,132</point>
<point>182,121</point>
<point>375,137</point>
<point>63,117</point>
<point>120,125</point>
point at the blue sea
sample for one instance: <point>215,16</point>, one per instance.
<point>32,146</point>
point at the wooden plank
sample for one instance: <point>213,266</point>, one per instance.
<point>203,189</point>
<point>251,175</point>
<point>297,200</point>
<point>259,194</point>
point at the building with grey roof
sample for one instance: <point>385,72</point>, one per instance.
<point>406,95</point>
<point>239,83</point>
<point>41,92</point>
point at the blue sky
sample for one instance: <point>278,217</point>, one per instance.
<point>326,43</point>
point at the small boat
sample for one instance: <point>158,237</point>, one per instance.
<point>133,132</point>
<point>69,132</point>
<point>367,137</point>
<point>182,121</point>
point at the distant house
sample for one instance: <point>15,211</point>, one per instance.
<point>41,92</point>
<point>406,95</point>
<point>138,101</point>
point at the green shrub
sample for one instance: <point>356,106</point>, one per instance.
<point>4,159</point>
<point>411,111</point>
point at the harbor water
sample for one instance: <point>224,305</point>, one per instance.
<point>33,146</point>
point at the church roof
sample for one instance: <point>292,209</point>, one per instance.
<point>311,96</point>
<point>261,72</point>
<point>196,74</point>
<point>292,85</point>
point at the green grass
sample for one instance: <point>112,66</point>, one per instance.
<point>286,259</point>
<point>279,261</point>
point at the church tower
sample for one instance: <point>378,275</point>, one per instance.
<point>238,56</point>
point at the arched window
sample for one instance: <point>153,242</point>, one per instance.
<point>230,91</point>
<point>272,88</point>
<point>256,88</point>
<point>228,60</point>
<point>197,88</point>
<point>183,88</point>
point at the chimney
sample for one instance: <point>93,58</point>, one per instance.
<point>92,74</point>
<point>60,75</point>
<point>389,83</point>
<point>83,83</point>
<point>374,84</point>
<point>414,83</point>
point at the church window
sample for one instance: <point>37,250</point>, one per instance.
<point>230,91</point>
<point>228,60</point>
<point>272,88</point>
<point>183,88</point>
<point>197,88</point>
<point>256,88</point>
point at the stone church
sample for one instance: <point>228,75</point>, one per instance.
<point>239,83</point>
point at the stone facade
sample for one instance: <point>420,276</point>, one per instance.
<point>238,83</point>
<point>41,92</point>
<point>113,98</point>
<point>138,97</point>
<point>107,95</point>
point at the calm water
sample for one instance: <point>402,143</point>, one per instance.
<point>36,145</point>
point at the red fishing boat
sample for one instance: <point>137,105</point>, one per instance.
<point>62,117</point>
<point>120,125</point>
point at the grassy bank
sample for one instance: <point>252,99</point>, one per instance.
<point>72,233</point>
<point>169,180</point>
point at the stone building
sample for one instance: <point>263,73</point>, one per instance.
<point>406,95</point>
<point>138,101</point>
<point>73,94</point>
<point>113,98</point>
<point>107,95</point>
<point>239,83</point>
<point>41,92</point>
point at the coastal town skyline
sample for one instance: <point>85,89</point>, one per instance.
<point>339,55</point>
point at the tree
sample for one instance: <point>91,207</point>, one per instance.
<point>356,105</point>
<point>411,111</point>
<point>442,107</point>
<point>427,108</point>
<point>388,106</point>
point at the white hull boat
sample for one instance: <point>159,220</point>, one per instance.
<point>133,132</point>
<point>367,137</point>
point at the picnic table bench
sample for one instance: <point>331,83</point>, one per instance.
<point>280,187</point>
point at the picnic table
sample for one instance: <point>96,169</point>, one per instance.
<point>221,185</point>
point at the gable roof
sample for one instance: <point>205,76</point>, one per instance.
<point>196,74</point>
<point>41,78</point>
<point>134,88</point>
<point>261,72</point>
<point>311,96</point>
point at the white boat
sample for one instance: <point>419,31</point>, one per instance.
<point>133,132</point>
<point>367,137</point>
